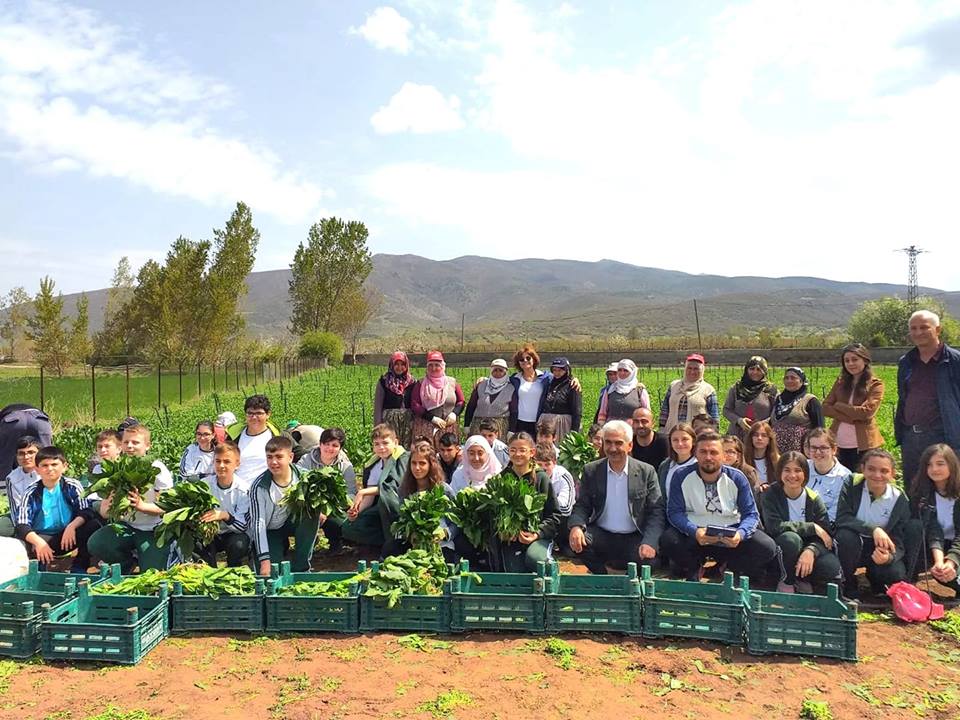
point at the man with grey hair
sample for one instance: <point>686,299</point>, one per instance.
<point>928,393</point>
<point>619,514</point>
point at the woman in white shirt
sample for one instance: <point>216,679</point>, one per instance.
<point>197,459</point>
<point>761,452</point>
<point>934,493</point>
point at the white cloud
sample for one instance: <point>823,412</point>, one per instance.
<point>386,29</point>
<point>418,109</point>
<point>75,93</point>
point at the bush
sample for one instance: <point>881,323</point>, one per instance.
<point>323,345</point>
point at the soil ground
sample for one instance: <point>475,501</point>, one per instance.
<point>903,671</point>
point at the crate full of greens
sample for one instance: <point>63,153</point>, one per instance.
<point>313,601</point>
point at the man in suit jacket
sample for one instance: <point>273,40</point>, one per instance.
<point>619,513</point>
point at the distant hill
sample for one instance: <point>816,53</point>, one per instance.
<point>568,298</point>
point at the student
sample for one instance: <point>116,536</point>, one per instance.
<point>330,452</point>
<point>252,437</point>
<point>796,518</point>
<point>703,423</point>
<point>564,487</point>
<point>935,490</point>
<point>449,454</point>
<point>547,433</point>
<point>52,515</point>
<point>733,456</point>
<point>109,445</point>
<point>827,475</point>
<point>681,439</point>
<point>18,480</point>
<point>423,473</point>
<point>872,518</point>
<point>761,452</point>
<point>197,459</point>
<point>479,465</point>
<point>271,523</point>
<point>595,436</point>
<point>234,511</point>
<point>488,430</point>
<point>707,496</point>
<point>135,542</point>
<point>377,503</point>
<point>524,552</point>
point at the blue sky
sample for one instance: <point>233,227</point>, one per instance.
<point>768,137</point>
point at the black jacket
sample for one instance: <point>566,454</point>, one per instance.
<point>776,517</point>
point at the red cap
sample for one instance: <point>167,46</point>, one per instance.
<point>434,356</point>
<point>697,357</point>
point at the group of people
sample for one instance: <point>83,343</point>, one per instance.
<point>780,498</point>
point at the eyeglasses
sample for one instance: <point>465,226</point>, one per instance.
<point>820,448</point>
<point>526,358</point>
<point>204,435</point>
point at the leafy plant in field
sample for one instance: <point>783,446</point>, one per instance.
<point>119,478</point>
<point>420,518</point>
<point>321,491</point>
<point>184,505</point>
<point>445,703</point>
<point>949,624</point>
<point>575,452</point>
<point>815,710</point>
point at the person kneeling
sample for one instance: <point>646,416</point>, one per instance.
<point>619,512</point>
<point>797,520</point>
<point>54,517</point>
<point>872,517</point>
<point>233,512</point>
<point>712,512</point>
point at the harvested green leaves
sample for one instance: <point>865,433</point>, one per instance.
<point>420,518</point>
<point>416,572</point>
<point>118,478</point>
<point>517,505</point>
<point>472,513</point>
<point>575,452</point>
<point>339,588</point>
<point>321,491</point>
<point>185,504</point>
<point>197,579</point>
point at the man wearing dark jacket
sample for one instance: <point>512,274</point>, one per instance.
<point>619,514</point>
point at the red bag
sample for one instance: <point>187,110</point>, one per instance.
<point>911,604</point>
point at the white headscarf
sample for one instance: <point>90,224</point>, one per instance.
<point>490,468</point>
<point>629,384</point>
<point>495,384</point>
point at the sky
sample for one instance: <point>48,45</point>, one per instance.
<point>768,138</point>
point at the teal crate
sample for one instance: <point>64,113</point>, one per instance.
<point>20,616</point>
<point>703,611</point>
<point>197,613</point>
<point>425,613</point>
<point>801,624</point>
<point>104,628</point>
<point>499,601</point>
<point>593,603</point>
<point>55,585</point>
<point>311,614</point>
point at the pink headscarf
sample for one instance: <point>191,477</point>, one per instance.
<point>433,386</point>
<point>489,469</point>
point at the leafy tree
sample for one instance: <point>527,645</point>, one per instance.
<point>80,346</point>
<point>357,308</point>
<point>334,260</point>
<point>15,309</point>
<point>45,328</point>
<point>110,344</point>
<point>883,322</point>
<point>324,345</point>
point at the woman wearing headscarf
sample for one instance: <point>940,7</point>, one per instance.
<point>393,398</point>
<point>437,401</point>
<point>491,401</point>
<point>853,403</point>
<point>689,396</point>
<point>624,396</point>
<point>561,402</point>
<point>750,399</point>
<point>611,379</point>
<point>479,465</point>
<point>795,411</point>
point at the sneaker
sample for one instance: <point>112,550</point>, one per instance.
<point>851,592</point>
<point>783,587</point>
<point>804,587</point>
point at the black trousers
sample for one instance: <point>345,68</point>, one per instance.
<point>604,546</point>
<point>855,551</point>
<point>849,458</point>
<point>751,557</point>
<point>83,533</point>
<point>235,545</point>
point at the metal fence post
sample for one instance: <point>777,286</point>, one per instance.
<point>199,382</point>
<point>128,387</point>
<point>41,389</point>
<point>159,398</point>
<point>180,381</point>
<point>93,390</point>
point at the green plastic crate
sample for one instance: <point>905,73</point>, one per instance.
<point>104,628</point>
<point>500,601</point>
<point>426,613</point>
<point>593,603</point>
<point>189,613</point>
<point>704,611</point>
<point>55,585</point>
<point>20,615</point>
<point>801,624</point>
<point>311,614</point>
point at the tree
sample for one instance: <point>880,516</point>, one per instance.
<point>323,345</point>
<point>79,343</point>
<point>883,322</point>
<point>357,308</point>
<point>110,345</point>
<point>15,309</point>
<point>334,259</point>
<point>45,328</point>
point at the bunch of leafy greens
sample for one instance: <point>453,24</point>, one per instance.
<point>184,505</point>
<point>321,491</point>
<point>416,572</point>
<point>472,513</point>
<point>516,503</point>
<point>197,579</point>
<point>118,478</point>
<point>420,518</point>
<point>575,452</point>
<point>336,588</point>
